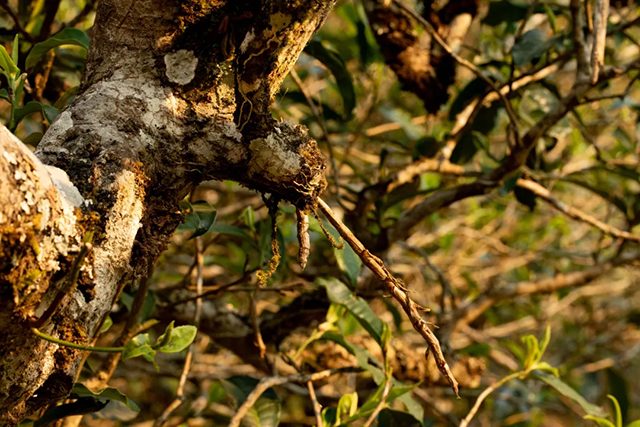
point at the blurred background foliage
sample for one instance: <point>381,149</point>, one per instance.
<point>551,243</point>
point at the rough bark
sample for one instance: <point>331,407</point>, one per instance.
<point>174,92</point>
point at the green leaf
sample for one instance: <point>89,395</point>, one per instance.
<point>347,406</point>
<point>201,217</point>
<point>50,113</point>
<point>248,215</point>
<point>544,366</point>
<point>616,407</point>
<point>108,322</point>
<point>33,139</point>
<point>551,16</point>
<point>349,263</point>
<point>531,352</point>
<point>265,412</point>
<point>217,393</point>
<point>505,11</point>
<point>29,108</point>
<point>392,418</point>
<point>68,36</point>
<point>7,65</point>
<point>600,421</point>
<point>532,45</point>
<point>64,99</point>
<point>15,49</point>
<point>139,346</point>
<point>635,423</point>
<point>232,230</point>
<point>4,94</point>
<point>569,392</point>
<point>413,407</point>
<point>339,293</point>
<point>619,389</point>
<point>329,417</point>
<point>332,60</point>
<point>546,338</point>
<point>108,393</point>
<point>176,339</point>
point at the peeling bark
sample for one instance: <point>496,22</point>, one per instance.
<point>172,94</point>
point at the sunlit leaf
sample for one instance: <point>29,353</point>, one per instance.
<point>339,293</point>
<point>176,339</point>
<point>68,36</point>
<point>566,390</point>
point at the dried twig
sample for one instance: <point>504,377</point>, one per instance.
<point>471,311</point>
<point>381,404</point>
<point>395,288</point>
<point>485,393</point>
<point>255,322</point>
<point>189,358</point>
<point>601,17</point>
<point>267,382</point>
<point>303,238</point>
<point>574,213</point>
<point>317,408</point>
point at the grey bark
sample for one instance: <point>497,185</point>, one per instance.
<point>174,92</point>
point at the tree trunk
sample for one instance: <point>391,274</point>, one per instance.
<point>174,92</point>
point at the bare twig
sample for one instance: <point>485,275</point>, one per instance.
<point>303,238</point>
<point>317,408</point>
<point>396,289</point>
<point>255,322</point>
<point>267,382</point>
<point>471,311</point>
<point>485,393</point>
<point>383,402</point>
<point>218,289</point>
<point>189,358</point>
<point>600,20</point>
<point>574,213</point>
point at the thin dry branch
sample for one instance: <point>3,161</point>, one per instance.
<point>317,408</point>
<point>380,406</point>
<point>471,311</point>
<point>396,289</point>
<point>485,393</point>
<point>601,16</point>
<point>574,213</point>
